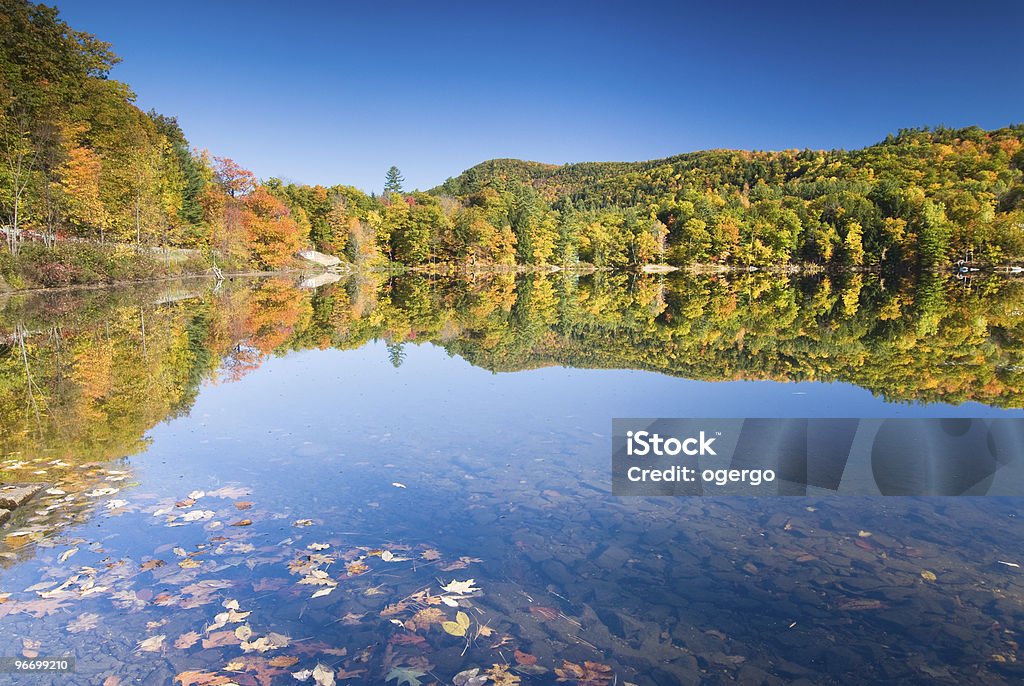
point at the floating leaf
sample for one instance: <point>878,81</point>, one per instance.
<point>153,644</point>
<point>587,674</point>
<point>461,587</point>
<point>357,567</point>
<point>406,676</point>
<point>426,617</point>
<point>459,626</point>
<point>192,678</point>
<point>282,661</point>
<point>187,640</point>
<point>322,676</point>
<point>525,658</point>
<point>501,676</point>
<point>470,677</point>
<point>928,576</point>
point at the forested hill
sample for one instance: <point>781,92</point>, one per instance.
<point>920,196</point>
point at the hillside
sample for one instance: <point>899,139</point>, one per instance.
<point>920,197</point>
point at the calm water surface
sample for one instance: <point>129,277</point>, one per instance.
<point>247,484</point>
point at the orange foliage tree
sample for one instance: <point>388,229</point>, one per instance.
<point>272,233</point>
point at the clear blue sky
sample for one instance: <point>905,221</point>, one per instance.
<point>335,92</point>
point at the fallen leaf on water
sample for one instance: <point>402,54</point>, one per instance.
<point>424,618</point>
<point>587,674</point>
<point>303,522</point>
<point>187,640</point>
<point>242,522</point>
<point>220,638</point>
<point>243,504</point>
<point>470,677</point>
<point>302,675</point>
<point>153,644</point>
<point>271,641</point>
<point>461,587</point>
<point>500,675</point>
<point>459,626</point>
<point>66,554</point>
<point>318,546</point>
<point>189,563</point>
<point>187,502</point>
<point>198,515</point>
<point>525,658</point>
<point>323,591</point>
<point>354,568</point>
<point>406,676</point>
<point>151,564</point>
<point>430,554</point>
<point>322,676</point>
<point>396,484</point>
<point>928,576</point>
<point>192,678</point>
<point>864,534</point>
<point>282,661</point>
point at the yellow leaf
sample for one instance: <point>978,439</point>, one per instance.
<point>453,628</point>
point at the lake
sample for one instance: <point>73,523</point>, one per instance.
<point>405,479</point>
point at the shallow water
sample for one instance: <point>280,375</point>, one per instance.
<point>216,459</point>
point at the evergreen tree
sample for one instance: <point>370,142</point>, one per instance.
<point>393,180</point>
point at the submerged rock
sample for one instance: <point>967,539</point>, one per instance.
<point>15,495</point>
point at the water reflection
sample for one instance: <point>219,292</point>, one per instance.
<point>325,476</point>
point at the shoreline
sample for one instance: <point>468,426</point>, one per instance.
<point>452,269</point>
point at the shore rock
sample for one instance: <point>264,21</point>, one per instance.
<point>15,495</point>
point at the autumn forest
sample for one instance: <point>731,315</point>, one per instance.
<point>93,188</point>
